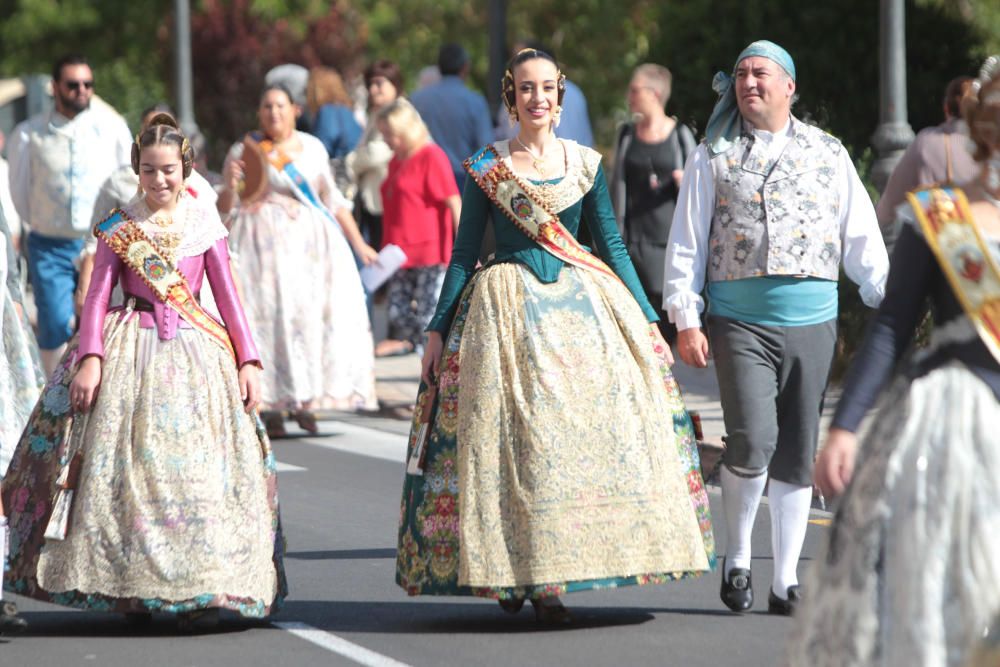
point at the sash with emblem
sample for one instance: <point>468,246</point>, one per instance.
<point>141,255</point>
<point>515,199</point>
<point>286,167</point>
<point>964,257</point>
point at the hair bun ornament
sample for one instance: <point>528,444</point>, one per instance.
<point>163,118</point>
<point>987,73</point>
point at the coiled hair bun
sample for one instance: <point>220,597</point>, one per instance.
<point>163,130</point>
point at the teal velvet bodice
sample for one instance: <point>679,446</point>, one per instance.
<point>512,245</point>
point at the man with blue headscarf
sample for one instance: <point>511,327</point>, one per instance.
<point>769,208</point>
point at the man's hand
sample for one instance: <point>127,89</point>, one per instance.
<point>692,345</point>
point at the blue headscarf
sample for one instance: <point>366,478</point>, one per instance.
<point>724,123</point>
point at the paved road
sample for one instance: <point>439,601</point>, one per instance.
<point>340,500</point>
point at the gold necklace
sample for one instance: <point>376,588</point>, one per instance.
<point>161,220</point>
<point>537,161</point>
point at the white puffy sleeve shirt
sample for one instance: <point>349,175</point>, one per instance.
<point>862,250</point>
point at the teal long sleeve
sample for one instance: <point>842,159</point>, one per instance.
<point>512,245</point>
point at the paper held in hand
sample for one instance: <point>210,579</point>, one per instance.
<point>379,271</point>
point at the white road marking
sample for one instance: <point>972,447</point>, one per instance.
<point>288,467</point>
<point>364,441</point>
<point>338,645</point>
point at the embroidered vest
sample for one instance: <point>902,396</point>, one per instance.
<point>776,217</point>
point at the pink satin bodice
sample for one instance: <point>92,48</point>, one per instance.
<point>109,269</point>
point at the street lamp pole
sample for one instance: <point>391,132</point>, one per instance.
<point>893,133</point>
<point>497,29</point>
<point>182,58</point>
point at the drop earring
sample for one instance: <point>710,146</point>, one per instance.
<point>556,115</point>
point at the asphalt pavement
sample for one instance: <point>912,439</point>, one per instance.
<point>340,494</point>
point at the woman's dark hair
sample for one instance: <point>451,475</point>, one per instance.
<point>280,87</point>
<point>523,56</point>
<point>389,70</point>
<point>163,130</point>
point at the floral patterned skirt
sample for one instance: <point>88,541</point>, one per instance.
<point>175,508</point>
<point>21,377</point>
<point>909,571</point>
<point>305,305</point>
<point>560,456</point>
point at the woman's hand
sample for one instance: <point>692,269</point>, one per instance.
<point>250,386</point>
<point>835,464</point>
<point>85,385</point>
<point>367,254</point>
<point>660,345</point>
<point>232,174</point>
<point>431,363</point>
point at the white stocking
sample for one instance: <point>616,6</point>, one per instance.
<point>740,499</point>
<point>790,506</point>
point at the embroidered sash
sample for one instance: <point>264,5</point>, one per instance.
<point>532,217</point>
<point>284,164</point>
<point>140,254</point>
<point>964,257</point>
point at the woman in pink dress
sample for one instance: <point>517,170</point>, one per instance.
<point>147,428</point>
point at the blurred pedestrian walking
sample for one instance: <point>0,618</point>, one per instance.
<point>649,164</point>
<point>21,379</point>
<point>332,111</point>
<point>457,117</point>
<point>368,164</point>
<point>938,155</point>
<point>422,208</point>
<point>292,233</point>
<point>58,161</point>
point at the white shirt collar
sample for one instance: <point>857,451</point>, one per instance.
<point>769,137</point>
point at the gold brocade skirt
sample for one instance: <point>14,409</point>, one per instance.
<point>176,504</point>
<point>557,427</point>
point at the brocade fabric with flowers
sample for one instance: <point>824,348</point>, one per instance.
<point>175,507</point>
<point>302,293</point>
<point>560,456</point>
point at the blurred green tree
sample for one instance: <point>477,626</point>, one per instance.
<point>119,37</point>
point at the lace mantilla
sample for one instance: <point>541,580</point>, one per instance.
<point>195,226</point>
<point>581,170</point>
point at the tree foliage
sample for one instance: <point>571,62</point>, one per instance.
<point>235,43</point>
<point>117,36</point>
<point>835,46</point>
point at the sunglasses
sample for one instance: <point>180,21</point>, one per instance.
<point>76,85</point>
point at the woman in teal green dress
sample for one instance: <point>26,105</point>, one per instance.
<point>552,452</point>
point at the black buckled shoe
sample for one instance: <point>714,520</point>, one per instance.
<point>10,622</point>
<point>776,605</point>
<point>737,589</point>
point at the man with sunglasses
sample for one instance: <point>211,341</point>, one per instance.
<point>58,161</point>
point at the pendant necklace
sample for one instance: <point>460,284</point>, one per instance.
<point>537,161</point>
